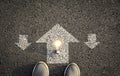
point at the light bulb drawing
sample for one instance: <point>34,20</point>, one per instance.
<point>57,44</point>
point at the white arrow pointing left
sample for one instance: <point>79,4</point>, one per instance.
<point>23,42</point>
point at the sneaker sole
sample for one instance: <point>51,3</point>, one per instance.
<point>41,62</point>
<point>68,67</point>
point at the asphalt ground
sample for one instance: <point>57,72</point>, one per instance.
<point>79,17</point>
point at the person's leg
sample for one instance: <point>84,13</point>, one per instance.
<point>40,69</point>
<point>72,70</point>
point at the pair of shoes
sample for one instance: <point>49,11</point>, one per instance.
<point>41,69</point>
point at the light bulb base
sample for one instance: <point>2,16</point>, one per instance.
<point>57,52</point>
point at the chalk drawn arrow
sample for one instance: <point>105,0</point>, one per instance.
<point>92,41</point>
<point>57,32</point>
<point>23,42</point>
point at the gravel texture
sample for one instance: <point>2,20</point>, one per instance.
<point>79,17</point>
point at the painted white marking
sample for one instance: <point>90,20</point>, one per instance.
<point>61,54</point>
<point>92,41</point>
<point>23,42</point>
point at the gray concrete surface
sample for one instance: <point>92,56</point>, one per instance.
<point>79,17</point>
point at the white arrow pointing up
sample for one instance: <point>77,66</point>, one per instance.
<point>23,42</point>
<point>57,32</point>
<point>92,41</point>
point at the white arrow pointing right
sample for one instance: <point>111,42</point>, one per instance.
<point>91,43</point>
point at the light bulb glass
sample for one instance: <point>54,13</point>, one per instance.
<point>57,43</point>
